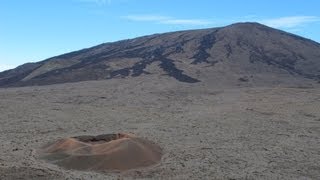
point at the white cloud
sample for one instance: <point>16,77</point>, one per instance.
<point>146,18</point>
<point>290,21</point>
<point>186,22</point>
<point>100,2</point>
<point>4,67</point>
<point>167,20</point>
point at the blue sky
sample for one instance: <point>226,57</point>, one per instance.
<point>33,30</point>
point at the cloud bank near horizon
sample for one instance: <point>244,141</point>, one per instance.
<point>286,22</point>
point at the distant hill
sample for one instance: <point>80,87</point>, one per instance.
<point>248,53</point>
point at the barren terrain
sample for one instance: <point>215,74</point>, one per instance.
<point>206,132</point>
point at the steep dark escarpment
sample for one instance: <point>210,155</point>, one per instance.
<point>257,52</point>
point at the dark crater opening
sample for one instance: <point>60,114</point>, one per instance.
<point>99,139</point>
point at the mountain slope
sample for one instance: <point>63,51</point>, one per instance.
<point>239,53</point>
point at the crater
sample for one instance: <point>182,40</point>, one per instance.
<point>106,152</point>
<point>99,139</point>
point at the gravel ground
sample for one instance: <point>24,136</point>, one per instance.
<point>205,132</point>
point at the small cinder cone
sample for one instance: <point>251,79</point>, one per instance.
<point>104,152</point>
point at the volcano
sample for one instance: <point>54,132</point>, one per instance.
<point>118,152</point>
<point>242,53</point>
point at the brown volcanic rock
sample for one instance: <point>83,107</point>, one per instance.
<point>118,152</point>
<point>218,55</point>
